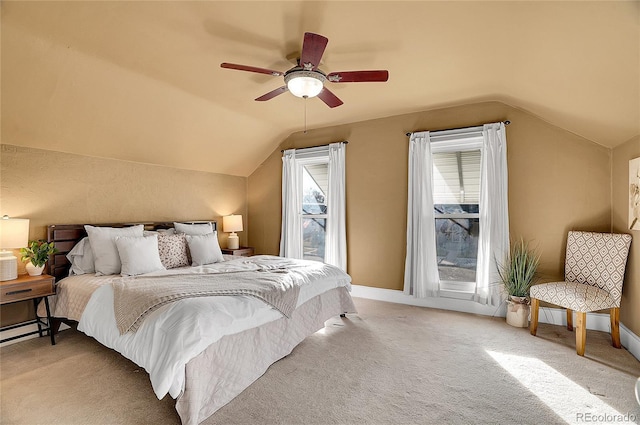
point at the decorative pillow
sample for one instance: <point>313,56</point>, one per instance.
<point>173,250</point>
<point>103,245</point>
<point>81,258</point>
<point>138,255</point>
<point>193,229</point>
<point>205,249</point>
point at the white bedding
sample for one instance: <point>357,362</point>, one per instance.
<point>213,378</point>
<point>178,332</point>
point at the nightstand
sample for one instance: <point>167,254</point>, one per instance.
<point>243,251</point>
<point>29,288</point>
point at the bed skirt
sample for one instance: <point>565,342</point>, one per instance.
<point>228,367</point>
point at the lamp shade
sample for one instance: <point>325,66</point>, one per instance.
<point>232,223</point>
<point>14,232</point>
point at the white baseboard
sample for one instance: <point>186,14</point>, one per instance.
<point>554,316</point>
<point>22,330</point>
<point>399,297</point>
<point>630,341</point>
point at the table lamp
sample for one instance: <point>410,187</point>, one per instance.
<point>14,233</point>
<point>232,223</point>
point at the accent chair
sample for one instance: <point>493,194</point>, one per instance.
<point>593,277</point>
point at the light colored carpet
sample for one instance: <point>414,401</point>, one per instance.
<point>390,364</point>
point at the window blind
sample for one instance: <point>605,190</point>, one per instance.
<point>456,177</point>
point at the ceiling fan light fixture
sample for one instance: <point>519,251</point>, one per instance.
<point>305,83</point>
<point>306,80</point>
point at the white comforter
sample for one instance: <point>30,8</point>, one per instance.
<point>178,332</point>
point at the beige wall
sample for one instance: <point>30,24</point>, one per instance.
<point>52,187</point>
<point>557,182</point>
<point>629,309</point>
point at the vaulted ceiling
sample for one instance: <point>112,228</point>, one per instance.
<point>141,81</point>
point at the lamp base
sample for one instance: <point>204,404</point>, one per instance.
<point>8,266</point>
<point>233,242</point>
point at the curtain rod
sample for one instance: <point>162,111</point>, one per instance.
<point>346,142</point>
<point>507,122</point>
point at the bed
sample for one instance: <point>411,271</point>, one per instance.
<point>226,340</point>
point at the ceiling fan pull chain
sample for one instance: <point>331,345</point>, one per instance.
<point>305,114</point>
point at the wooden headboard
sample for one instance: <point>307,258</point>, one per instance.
<point>65,236</point>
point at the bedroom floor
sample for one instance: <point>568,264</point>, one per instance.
<point>389,364</point>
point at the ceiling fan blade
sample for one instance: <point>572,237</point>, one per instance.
<point>358,76</point>
<point>251,69</point>
<point>329,98</point>
<point>312,50</point>
<point>272,94</point>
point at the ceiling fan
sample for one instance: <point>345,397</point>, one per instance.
<point>306,80</point>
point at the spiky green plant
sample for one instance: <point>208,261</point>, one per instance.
<point>519,270</point>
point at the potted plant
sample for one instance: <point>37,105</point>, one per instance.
<point>37,253</point>
<point>517,273</point>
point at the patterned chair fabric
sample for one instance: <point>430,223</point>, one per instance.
<point>576,296</point>
<point>594,273</point>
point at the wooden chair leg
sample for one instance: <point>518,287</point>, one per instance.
<point>581,332</point>
<point>533,326</point>
<point>614,313</point>
<point>569,319</point>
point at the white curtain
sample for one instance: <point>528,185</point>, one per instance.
<point>336,235</point>
<point>291,233</point>
<point>494,213</point>
<point>421,277</point>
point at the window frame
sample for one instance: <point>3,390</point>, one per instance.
<point>316,158</point>
<point>447,143</point>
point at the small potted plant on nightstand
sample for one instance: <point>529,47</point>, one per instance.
<point>37,253</point>
<point>517,273</point>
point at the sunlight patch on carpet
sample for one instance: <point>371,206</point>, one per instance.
<point>567,399</point>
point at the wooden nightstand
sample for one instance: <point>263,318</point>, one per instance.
<point>29,288</point>
<point>243,251</point>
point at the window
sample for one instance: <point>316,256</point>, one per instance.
<point>315,181</point>
<point>456,192</point>
<point>313,204</point>
<point>457,213</point>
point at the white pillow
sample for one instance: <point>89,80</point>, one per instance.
<point>205,249</point>
<point>81,258</point>
<point>103,245</point>
<point>138,255</point>
<point>193,229</point>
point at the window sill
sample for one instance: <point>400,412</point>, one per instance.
<point>457,286</point>
<point>458,295</point>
